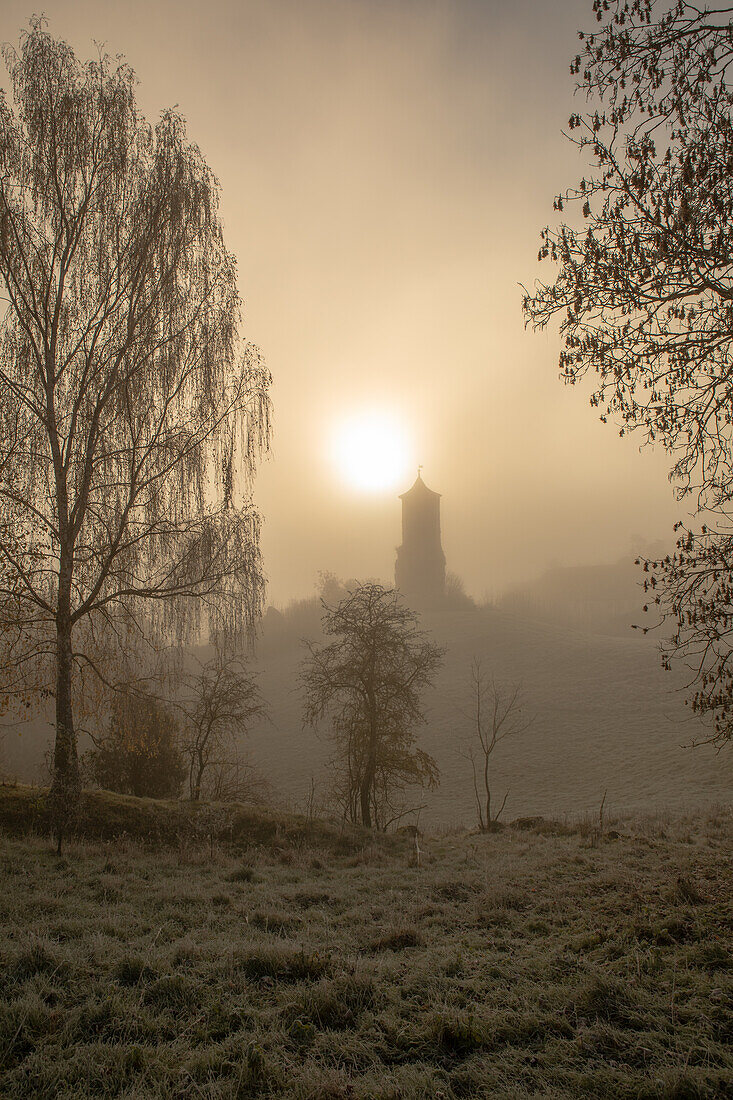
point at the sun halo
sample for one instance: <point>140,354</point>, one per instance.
<point>370,449</point>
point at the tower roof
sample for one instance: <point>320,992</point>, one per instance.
<point>419,489</point>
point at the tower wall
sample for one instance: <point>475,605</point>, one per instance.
<point>420,565</point>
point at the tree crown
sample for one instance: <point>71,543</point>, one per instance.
<point>130,418</point>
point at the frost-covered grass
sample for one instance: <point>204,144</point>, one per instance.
<point>518,964</point>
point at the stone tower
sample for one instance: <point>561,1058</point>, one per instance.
<point>420,566</point>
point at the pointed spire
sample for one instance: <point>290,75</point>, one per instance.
<point>419,487</point>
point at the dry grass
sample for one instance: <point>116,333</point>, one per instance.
<point>518,964</point>
<point>105,815</point>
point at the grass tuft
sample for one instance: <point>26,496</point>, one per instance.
<point>32,960</point>
<point>281,964</point>
<point>604,998</point>
<point>397,939</point>
<point>132,970</point>
<point>686,892</point>
<point>243,873</point>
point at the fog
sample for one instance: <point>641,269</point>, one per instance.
<point>386,168</point>
<point>461,838</point>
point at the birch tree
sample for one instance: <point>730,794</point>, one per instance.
<point>131,418</point>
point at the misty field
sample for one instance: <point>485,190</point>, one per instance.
<point>546,961</point>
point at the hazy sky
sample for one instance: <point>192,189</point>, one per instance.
<point>386,167</point>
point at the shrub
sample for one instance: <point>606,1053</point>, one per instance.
<point>139,753</point>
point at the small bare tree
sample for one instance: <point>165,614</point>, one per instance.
<point>496,713</point>
<point>222,701</point>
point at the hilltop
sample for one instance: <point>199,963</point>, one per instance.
<point>606,718</point>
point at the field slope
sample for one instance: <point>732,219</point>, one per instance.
<point>606,718</point>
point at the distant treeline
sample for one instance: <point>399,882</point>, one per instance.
<point>598,599</point>
<point>299,619</point>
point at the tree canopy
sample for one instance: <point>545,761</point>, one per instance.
<point>131,418</point>
<point>644,289</point>
<point>368,682</point>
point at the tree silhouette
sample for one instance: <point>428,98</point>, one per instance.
<point>368,681</point>
<point>129,419</point>
<point>221,701</point>
<point>644,290</point>
<point>495,714</point>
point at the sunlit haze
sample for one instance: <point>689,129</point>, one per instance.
<point>386,167</point>
<point>370,450</point>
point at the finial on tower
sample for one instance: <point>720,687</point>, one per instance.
<point>419,471</point>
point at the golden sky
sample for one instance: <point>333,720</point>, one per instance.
<point>386,167</point>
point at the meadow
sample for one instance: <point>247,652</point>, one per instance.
<point>605,718</point>
<point>541,960</point>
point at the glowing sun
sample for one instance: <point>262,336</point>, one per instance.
<point>370,449</point>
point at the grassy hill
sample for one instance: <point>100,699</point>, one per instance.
<point>554,963</point>
<point>111,817</point>
<point>606,718</point>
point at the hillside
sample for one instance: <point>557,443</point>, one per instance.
<point>597,599</point>
<point>156,822</point>
<point>606,718</point>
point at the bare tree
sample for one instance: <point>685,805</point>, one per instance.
<point>234,778</point>
<point>130,422</point>
<point>496,713</point>
<point>644,289</point>
<point>369,682</point>
<point>222,700</point>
